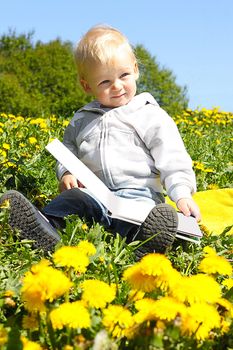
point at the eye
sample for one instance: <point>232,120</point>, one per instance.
<point>104,82</point>
<point>124,75</point>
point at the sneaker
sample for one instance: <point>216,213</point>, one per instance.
<point>32,225</point>
<point>161,226</point>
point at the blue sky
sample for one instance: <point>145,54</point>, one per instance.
<point>192,38</point>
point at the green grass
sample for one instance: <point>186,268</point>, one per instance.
<point>27,167</point>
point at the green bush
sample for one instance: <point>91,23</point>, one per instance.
<point>41,78</point>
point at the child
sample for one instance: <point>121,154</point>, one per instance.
<point>128,141</point>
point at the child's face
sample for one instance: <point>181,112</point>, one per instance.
<point>113,85</point>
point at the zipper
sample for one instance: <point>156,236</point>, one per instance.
<point>103,151</point>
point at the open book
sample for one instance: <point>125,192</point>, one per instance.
<point>126,209</point>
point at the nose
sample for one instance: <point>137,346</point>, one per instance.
<point>117,85</point>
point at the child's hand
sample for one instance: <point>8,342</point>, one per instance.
<point>188,207</point>
<point>67,182</point>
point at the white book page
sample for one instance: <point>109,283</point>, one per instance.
<point>188,225</point>
<point>195,240</point>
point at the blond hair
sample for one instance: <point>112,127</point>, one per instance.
<point>100,45</point>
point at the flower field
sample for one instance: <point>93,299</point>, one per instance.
<point>90,293</point>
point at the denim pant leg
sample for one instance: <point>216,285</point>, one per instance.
<point>79,202</point>
<point>124,228</point>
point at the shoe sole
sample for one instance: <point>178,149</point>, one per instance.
<point>32,225</point>
<point>161,226</point>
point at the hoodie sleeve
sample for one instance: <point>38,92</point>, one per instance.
<point>166,146</point>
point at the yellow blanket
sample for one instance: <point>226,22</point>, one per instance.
<point>216,209</point>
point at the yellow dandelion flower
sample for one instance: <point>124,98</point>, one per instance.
<point>80,339</point>
<point>43,283</point>
<point>137,280</point>
<point>155,264</point>
<point>5,204</point>
<point>43,125</point>
<point>73,315</point>
<point>118,321</point>
<point>226,305</point>
<point>43,264</point>
<point>30,321</point>
<point>86,248</point>
<point>84,227</point>
<point>70,256</point>
<point>208,170</point>
<point>9,293</point>
<point>213,263</point>
<point>228,283</point>
<point>207,250</point>
<point>205,230</point>
<point>145,309</point>
<point>32,140</point>
<point>225,326</point>
<point>38,121</point>
<point>212,187</point>
<point>168,280</point>
<point>197,288</point>
<point>1,130</point>
<point>19,118</point>
<point>3,153</point>
<point>160,326</point>
<point>33,121</point>
<point>6,146</point>
<point>30,345</point>
<point>199,320</point>
<point>3,335</point>
<point>198,132</point>
<point>97,293</point>
<point>167,308</point>
<point>65,123</point>
<point>135,295</point>
<point>53,118</point>
<point>10,165</point>
<point>68,347</point>
<point>153,271</point>
<point>198,165</point>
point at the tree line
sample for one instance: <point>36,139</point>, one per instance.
<point>40,79</point>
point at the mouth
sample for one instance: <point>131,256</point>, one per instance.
<point>118,96</point>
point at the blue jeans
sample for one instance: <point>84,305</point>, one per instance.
<point>83,204</point>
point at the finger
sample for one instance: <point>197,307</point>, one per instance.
<point>74,184</point>
<point>183,207</point>
<point>186,211</point>
<point>196,213</point>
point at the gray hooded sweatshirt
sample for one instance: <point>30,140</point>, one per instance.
<point>135,146</point>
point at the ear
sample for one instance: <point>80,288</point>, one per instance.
<point>85,86</point>
<point>136,70</point>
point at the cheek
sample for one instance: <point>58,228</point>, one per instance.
<point>103,93</point>
<point>132,87</point>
